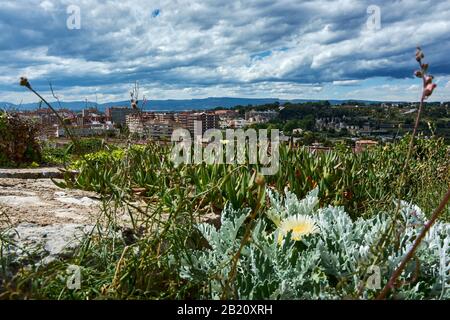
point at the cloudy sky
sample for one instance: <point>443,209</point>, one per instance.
<point>180,49</point>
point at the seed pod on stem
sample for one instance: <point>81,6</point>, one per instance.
<point>429,89</point>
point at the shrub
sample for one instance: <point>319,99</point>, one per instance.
<point>18,141</point>
<point>52,155</point>
<point>89,145</point>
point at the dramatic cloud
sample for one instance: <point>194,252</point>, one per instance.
<point>200,48</point>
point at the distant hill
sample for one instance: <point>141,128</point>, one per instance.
<point>173,105</point>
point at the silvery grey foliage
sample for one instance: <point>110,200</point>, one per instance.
<point>331,264</point>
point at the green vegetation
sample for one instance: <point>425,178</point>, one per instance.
<point>161,251</point>
<point>344,178</point>
<point>53,154</point>
<point>304,263</point>
<point>20,145</point>
<point>389,120</point>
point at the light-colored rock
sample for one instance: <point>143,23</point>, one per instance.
<point>84,201</point>
<point>18,201</point>
<point>45,243</point>
<point>34,173</point>
<point>41,202</point>
<point>68,213</point>
<point>43,221</point>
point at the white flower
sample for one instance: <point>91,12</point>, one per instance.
<point>300,225</point>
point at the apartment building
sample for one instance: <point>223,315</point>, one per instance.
<point>205,119</point>
<point>160,125</point>
<point>118,115</point>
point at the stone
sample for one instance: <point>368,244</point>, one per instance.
<point>20,201</point>
<point>42,202</point>
<point>34,173</point>
<point>45,243</point>
<point>69,214</point>
<point>84,201</point>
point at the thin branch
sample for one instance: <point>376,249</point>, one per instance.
<point>412,251</point>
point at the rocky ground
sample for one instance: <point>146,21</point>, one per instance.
<point>36,215</point>
<point>41,202</point>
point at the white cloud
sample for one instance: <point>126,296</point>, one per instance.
<point>346,82</point>
<point>46,5</point>
<point>447,86</point>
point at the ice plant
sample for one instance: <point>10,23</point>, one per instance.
<point>299,225</point>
